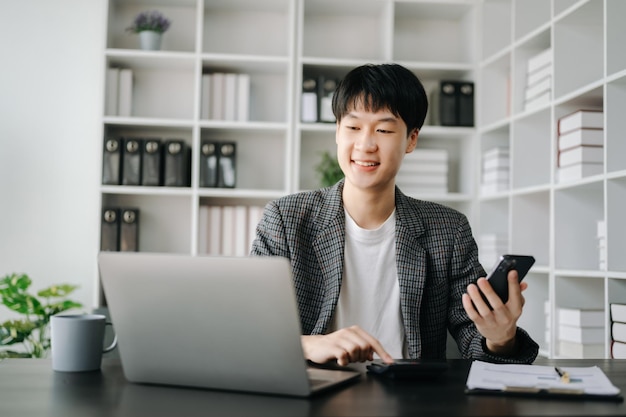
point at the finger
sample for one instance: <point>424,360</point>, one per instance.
<point>492,298</point>
<point>469,307</point>
<point>515,291</point>
<point>375,346</point>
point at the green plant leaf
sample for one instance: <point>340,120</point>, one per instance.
<point>64,305</point>
<point>57,290</point>
<point>22,303</point>
<point>15,282</point>
<point>15,331</point>
<point>6,354</point>
<point>328,169</point>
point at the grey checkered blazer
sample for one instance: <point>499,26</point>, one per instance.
<point>436,257</point>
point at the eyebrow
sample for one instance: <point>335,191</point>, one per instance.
<point>392,119</point>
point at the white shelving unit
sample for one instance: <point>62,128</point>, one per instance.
<point>275,42</point>
<point>556,222</point>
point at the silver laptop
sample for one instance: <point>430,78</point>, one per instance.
<point>226,323</point>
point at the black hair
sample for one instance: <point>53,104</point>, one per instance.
<point>383,86</point>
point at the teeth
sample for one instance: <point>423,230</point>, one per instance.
<point>365,164</point>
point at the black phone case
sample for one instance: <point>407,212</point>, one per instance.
<point>498,276</point>
<point>408,369</point>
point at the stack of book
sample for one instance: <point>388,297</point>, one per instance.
<point>580,145</point>
<point>227,230</point>
<point>119,229</point>
<point>601,236</point>
<point>495,171</point>
<point>580,332</point>
<point>538,80</point>
<point>618,330</point>
<point>225,96</point>
<point>492,245</point>
<point>119,92</point>
<point>316,99</point>
<point>424,171</point>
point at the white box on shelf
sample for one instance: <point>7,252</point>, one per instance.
<point>125,94</point>
<point>538,101</point>
<point>112,91</point>
<point>540,87</point>
<point>581,119</point>
<point>497,152</point>
<point>495,175</point>
<point>618,312</point>
<point>417,167</point>
<point>581,334</point>
<point>243,97</point>
<point>205,97</point>
<point>580,317</point>
<point>618,350</point>
<point>539,74</point>
<point>496,163</point>
<point>578,171</point>
<point>539,60</point>
<point>581,137</point>
<point>424,154</point>
<point>581,154</point>
<point>577,350</point>
<point>618,331</point>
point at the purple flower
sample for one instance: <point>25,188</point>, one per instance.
<point>150,20</point>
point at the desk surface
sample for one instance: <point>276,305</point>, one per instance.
<point>29,387</point>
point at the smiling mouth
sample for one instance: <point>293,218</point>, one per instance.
<point>366,164</point>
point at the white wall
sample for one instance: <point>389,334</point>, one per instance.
<point>51,95</point>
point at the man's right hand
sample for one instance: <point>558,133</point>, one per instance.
<point>351,344</point>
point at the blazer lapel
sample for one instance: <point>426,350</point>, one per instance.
<point>329,250</point>
<point>411,263</point>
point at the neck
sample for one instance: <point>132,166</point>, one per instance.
<point>369,209</point>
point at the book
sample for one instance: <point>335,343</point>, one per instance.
<point>215,230</point>
<point>538,101</point>
<point>428,155</point>
<point>129,230</point>
<point>581,119</point>
<point>618,350</point>
<point>217,96</point>
<point>112,161</point>
<point>618,331</point>
<point>581,137</point>
<point>205,97</point>
<point>110,229</point>
<point>243,97</point>
<point>227,164</point>
<point>325,89</point>
<point>580,317</point>
<point>203,229</point>
<point>241,230</point>
<point>581,334</point>
<point>618,312</point>
<point>125,93</point>
<point>465,103</point>
<point>152,162</point>
<point>230,96</point>
<point>131,161</point>
<point>539,74</point>
<point>228,231</point>
<point>580,155</point>
<point>578,350</point>
<point>177,163</point>
<point>539,60</point>
<point>579,171</point>
<point>112,89</point>
<point>308,100</point>
<point>208,163</point>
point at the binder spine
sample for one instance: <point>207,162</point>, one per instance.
<point>227,165</point>
<point>152,162</point>
<point>177,164</point>
<point>131,157</point>
<point>208,163</point>
<point>129,230</point>
<point>111,163</point>
<point>110,229</point>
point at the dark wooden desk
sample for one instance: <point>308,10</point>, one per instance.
<point>29,387</point>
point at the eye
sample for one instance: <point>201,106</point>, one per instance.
<point>384,131</point>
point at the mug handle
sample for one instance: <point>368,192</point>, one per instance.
<point>113,344</point>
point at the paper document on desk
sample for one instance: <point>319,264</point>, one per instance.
<point>536,378</point>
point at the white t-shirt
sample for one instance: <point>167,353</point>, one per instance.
<point>370,293</point>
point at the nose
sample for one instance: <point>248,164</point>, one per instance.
<point>365,141</point>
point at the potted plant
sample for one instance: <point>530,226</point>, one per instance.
<point>150,25</point>
<point>328,170</point>
<point>32,331</point>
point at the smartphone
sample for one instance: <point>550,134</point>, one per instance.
<point>498,276</point>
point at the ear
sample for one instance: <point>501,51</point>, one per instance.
<point>412,140</point>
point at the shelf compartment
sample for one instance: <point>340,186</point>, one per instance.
<point>530,15</point>
<point>496,26</point>
<point>312,144</point>
<point>261,157</point>
<point>419,26</point>
<point>248,27</point>
<point>616,233</point>
<point>531,150</point>
<point>576,213</point>
<point>615,36</point>
<point>533,318</point>
<point>493,239</point>
<point>530,226</point>
<point>164,221</point>
<point>181,36</point>
<point>324,32</point>
<point>578,44</point>
<point>521,56</point>
<point>615,125</point>
<point>495,98</point>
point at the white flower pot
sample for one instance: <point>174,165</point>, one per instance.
<point>150,40</point>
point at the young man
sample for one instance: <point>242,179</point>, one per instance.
<point>377,272</point>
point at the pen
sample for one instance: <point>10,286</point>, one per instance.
<point>563,374</point>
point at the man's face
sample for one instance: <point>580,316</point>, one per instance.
<point>371,147</point>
